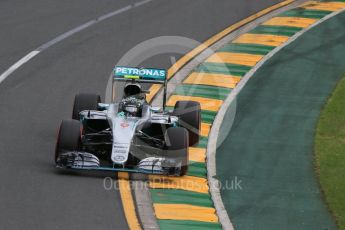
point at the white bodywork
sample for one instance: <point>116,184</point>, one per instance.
<point>123,130</point>
<point>124,127</point>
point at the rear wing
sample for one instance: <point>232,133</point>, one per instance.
<point>143,75</point>
<point>147,75</point>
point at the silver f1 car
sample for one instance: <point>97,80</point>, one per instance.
<point>128,134</point>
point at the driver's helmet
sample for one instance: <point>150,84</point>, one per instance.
<point>132,89</point>
<point>132,106</point>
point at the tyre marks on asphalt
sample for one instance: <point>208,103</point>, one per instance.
<point>185,201</point>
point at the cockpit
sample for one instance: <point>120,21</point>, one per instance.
<point>134,100</point>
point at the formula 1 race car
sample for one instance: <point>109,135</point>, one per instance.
<point>128,134</point>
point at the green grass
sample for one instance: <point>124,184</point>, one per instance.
<point>330,153</point>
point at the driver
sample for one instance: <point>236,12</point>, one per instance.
<point>133,100</point>
<point>132,89</point>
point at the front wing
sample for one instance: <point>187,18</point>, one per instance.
<point>89,162</point>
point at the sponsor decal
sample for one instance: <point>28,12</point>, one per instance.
<point>124,125</point>
<point>119,158</point>
<point>136,73</point>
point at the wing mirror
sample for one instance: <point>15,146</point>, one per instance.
<point>156,109</point>
<point>103,106</point>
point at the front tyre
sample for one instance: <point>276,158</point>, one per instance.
<point>85,101</point>
<point>177,143</point>
<point>189,114</point>
<point>69,138</point>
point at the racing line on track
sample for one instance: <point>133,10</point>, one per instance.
<point>68,34</point>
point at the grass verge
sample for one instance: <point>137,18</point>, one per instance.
<point>330,153</point>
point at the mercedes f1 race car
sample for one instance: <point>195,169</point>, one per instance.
<point>128,134</point>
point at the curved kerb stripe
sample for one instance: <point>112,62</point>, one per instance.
<point>302,12</point>
<point>211,98</point>
<point>185,201</point>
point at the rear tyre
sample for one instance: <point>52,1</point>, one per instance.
<point>189,114</point>
<point>177,142</point>
<point>85,101</point>
<point>69,137</point>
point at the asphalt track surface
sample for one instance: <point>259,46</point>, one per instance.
<point>34,99</point>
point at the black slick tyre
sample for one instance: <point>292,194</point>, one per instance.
<point>177,142</point>
<point>189,114</point>
<point>85,101</point>
<point>69,137</point>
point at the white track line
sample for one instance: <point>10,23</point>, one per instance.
<point>63,36</point>
<point>16,65</point>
